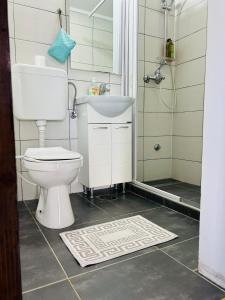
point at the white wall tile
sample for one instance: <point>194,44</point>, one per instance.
<point>141,47</point>
<point>187,171</point>
<point>100,23</point>
<point>140,171</point>
<point>26,52</point>
<point>80,19</point>
<point>153,48</point>
<point>36,25</point>
<point>50,5</point>
<point>198,16</point>
<point>58,143</point>
<point>102,57</point>
<point>188,148</point>
<point>73,128</point>
<point>141,18</point>
<point>30,192</point>
<point>58,129</point>
<point>190,73</point>
<point>87,75</point>
<point>165,143</point>
<point>154,24</point>
<point>102,39</point>
<point>115,79</point>
<point>182,5</point>
<point>140,154</point>
<point>157,124</point>
<point>141,73</point>
<point>157,100</point>
<point>191,47</point>
<point>157,169</point>
<point>190,98</point>
<point>81,34</point>
<point>28,130</point>
<point>11,19</point>
<point>188,123</point>
<point>83,55</point>
<point>115,90</point>
<point>140,128</point>
<point>140,99</point>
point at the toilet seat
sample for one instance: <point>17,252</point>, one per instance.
<point>51,159</point>
<point>51,154</point>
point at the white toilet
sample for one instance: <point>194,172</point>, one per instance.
<point>40,93</point>
<point>53,169</point>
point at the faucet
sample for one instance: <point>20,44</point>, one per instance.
<point>104,88</point>
<point>157,77</point>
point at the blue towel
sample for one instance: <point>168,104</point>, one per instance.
<point>62,46</point>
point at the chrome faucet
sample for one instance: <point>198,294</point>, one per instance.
<point>158,76</point>
<point>104,88</point>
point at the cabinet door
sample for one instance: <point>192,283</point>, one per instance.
<point>99,140</point>
<point>121,153</point>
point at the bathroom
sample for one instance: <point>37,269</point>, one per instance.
<point>128,129</point>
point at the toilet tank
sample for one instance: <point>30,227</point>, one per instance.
<point>39,92</point>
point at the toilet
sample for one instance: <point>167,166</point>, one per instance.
<point>53,170</point>
<point>40,94</point>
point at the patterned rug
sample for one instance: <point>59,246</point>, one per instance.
<point>98,243</point>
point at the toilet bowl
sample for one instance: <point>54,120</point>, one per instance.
<point>53,170</point>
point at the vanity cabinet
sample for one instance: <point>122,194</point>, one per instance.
<point>106,148</point>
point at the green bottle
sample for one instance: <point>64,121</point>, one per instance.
<point>170,51</point>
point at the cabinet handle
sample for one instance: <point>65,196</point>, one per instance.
<point>122,127</point>
<point>101,127</point>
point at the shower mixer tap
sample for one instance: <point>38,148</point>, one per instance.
<point>158,76</point>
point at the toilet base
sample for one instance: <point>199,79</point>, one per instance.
<point>54,208</point>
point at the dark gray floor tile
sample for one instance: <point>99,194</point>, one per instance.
<point>38,264</point>
<point>175,222</point>
<point>124,204</point>
<point>193,202</point>
<point>58,291</point>
<point>185,252</point>
<point>69,263</point>
<point>153,276</point>
<point>162,182</point>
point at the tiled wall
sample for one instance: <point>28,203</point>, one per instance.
<point>94,37</point>
<point>154,118</point>
<point>191,26</point>
<point>177,130</point>
<point>33,26</point>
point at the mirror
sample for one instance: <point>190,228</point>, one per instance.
<point>93,26</point>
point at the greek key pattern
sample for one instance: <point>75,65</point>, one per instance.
<point>109,240</point>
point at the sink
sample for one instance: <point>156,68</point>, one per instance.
<point>108,106</point>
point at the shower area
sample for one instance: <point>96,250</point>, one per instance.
<point>170,102</point>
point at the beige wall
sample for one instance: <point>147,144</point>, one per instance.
<point>33,26</point>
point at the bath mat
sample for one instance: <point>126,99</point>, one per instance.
<point>102,242</point>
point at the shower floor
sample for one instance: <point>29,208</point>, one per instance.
<point>189,193</point>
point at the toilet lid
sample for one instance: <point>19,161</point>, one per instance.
<point>52,153</point>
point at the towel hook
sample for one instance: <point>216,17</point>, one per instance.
<point>59,11</point>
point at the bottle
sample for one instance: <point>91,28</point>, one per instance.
<point>170,51</point>
<point>93,89</point>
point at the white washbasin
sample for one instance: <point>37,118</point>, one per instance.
<point>108,106</point>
